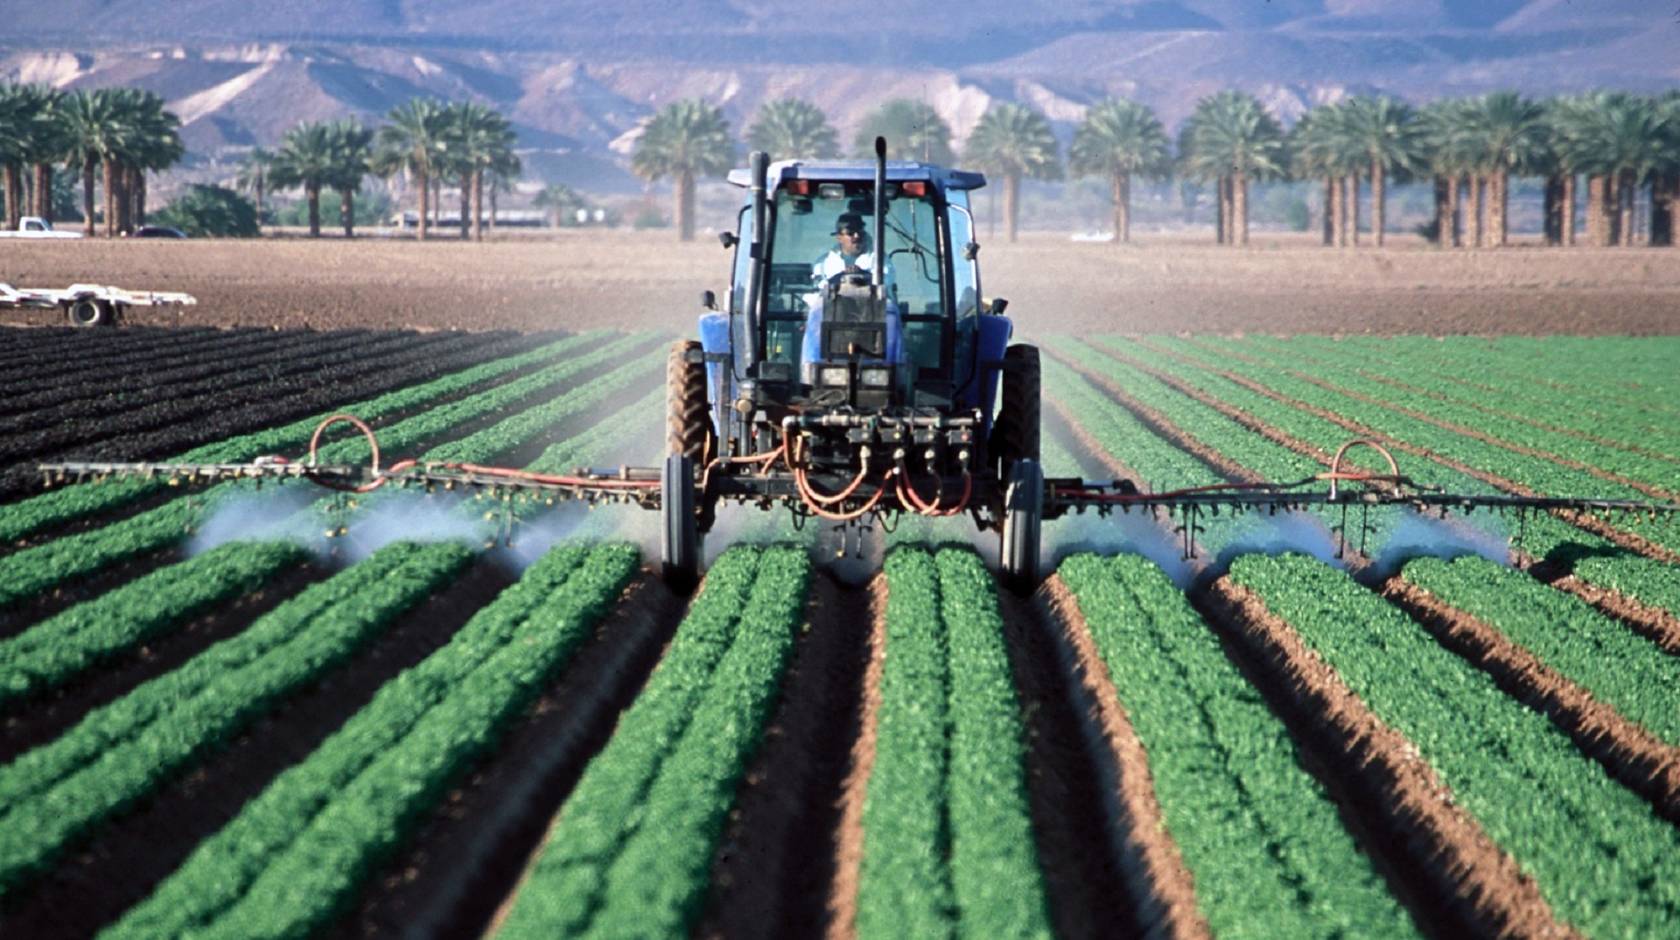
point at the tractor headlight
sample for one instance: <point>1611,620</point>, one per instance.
<point>834,376</point>
<point>875,377</point>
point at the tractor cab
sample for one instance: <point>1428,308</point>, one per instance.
<point>852,372</point>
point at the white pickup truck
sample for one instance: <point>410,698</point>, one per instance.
<point>33,226</point>
<point>89,304</point>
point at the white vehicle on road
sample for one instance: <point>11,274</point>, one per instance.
<point>33,226</point>
<point>89,304</point>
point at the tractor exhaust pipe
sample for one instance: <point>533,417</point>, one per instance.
<point>875,270</point>
<point>751,352</point>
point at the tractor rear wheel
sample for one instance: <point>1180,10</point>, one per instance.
<point>688,425</point>
<point>1015,429</point>
<point>1023,514</point>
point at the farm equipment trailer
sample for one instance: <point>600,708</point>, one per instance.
<point>854,385</point>
<point>89,304</point>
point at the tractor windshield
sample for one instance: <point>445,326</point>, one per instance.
<point>804,247</point>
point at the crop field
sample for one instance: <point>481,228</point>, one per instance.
<point>241,711</point>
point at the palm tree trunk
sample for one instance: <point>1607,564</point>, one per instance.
<point>1442,202</point>
<point>1612,210</point>
<point>1450,234</point>
<point>478,205</point>
<point>683,207</point>
<point>1327,224</point>
<point>493,189</point>
<point>347,211</point>
<point>110,198</point>
<point>466,205</point>
<point>1502,206</point>
<point>1220,213</point>
<point>1120,184</point>
<point>425,189</point>
<point>125,199</point>
<point>139,197</point>
<point>1595,211</point>
<point>437,201</point>
<point>1378,200</point>
<point>43,191</point>
<point>1626,191</point>
<point>1665,210</point>
<point>1239,206</point>
<point>1351,181</point>
<point>14,211</point>
<point>87,198</point>
<point>1551,212</point>
<point>312,193</point>
<point>259,201</point>
<point>1566,220</point>
<point>1478,209</point>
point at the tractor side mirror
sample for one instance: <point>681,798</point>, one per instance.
<point>728,239</point>
<point>998,306</point>
<point>971,251</point>
<point>708,299</point>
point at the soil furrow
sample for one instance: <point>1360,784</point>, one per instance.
<point>1639,759</point>
<point>469,853</point>
<point>1068,785</point>
<point>776,859</point>
<point>848,848</point>
<point>1659,626</point>
<point>1161,889</point>
<point>1481,887</point>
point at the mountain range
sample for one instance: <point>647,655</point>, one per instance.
<point>578,78</point>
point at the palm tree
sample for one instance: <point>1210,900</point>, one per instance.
<point>1120,139</point>
<point>1451,160</point>
<point>1234,141</point>
<point>413,143</point>
<point>16,118</point>
<point>483,140</point>
<point>1509,134</point>
<point>684,139</point>
<point>502,173</point>
<point>914,130</point>
<point>791,129</point>
<point>352,157</point>
<point>307,158</point>
<point>559,199</point>
<point>253,177</point>
<point>1665,192</point>
<point>1386,133</point>
<point>152,142</point>
<point>1014,141</point>
<point>91,126</point>
<point>1321,147</point>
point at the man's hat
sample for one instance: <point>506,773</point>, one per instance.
<point>848,222</point>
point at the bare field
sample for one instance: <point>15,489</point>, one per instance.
<point>646,280</point>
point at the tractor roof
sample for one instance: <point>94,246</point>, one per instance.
<point>898,171</point>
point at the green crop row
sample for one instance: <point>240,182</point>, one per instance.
<point>58,507</point>
<point>1544,536</point>
<point>1598,854</point>
<point>565,885</point>
<point>55,649</point>
<point>1504,428</point>
<point>33,570</point>
<point>294,854</point>
<point>121,751</point>
<point>1430,369</point>
<point>656,885</point>
<point>948,847</point>
<point>1619,667</point>
<point>1265,849</point>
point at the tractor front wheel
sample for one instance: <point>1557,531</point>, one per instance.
<point>688,423</point>
<point>679,543</point>
<point>1023,514</point>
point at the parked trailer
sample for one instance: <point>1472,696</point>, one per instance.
<point>89,304</point>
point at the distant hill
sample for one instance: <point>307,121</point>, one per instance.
<point>577,78</point>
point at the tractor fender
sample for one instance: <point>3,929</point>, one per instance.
<point>993,339</point>
<point>715,341</point>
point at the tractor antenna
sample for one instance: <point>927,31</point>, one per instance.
<point>875,275</point>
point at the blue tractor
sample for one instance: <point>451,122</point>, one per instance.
<point>846,388</point>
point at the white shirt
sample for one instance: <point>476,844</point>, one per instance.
<point>834,263</point>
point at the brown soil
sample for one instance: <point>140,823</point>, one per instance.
<point>1660,626</point>
<point>1071,783</point>
<point>775,862</point>
<point>1487,887</point>
<point>1635,756</point>
<point>472,849</point>
<point>1164,894</point>
<point>648,280</point>
<point>848,852</point>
